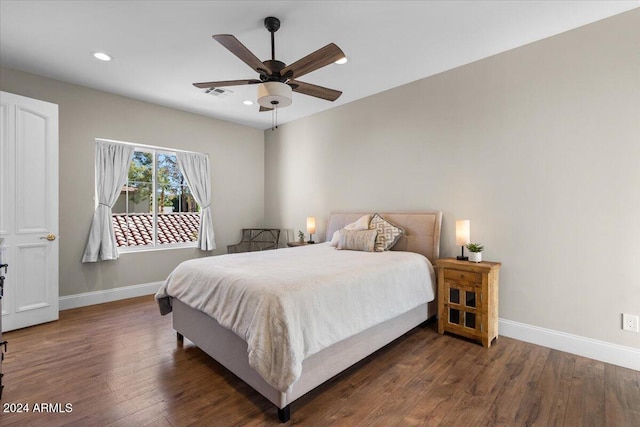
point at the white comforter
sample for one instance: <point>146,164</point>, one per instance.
<point>291,303</point>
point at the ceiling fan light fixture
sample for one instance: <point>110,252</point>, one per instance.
<point>274,95</point>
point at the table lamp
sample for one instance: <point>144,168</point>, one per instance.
<point>311,228</point>
<point>463,232</point>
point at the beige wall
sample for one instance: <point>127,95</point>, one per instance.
<point>539,147</point>
<point>86,114</point>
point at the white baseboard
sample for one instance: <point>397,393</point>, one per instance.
<point>99,297</point>
<point>627,357</point>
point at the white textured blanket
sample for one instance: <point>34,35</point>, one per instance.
<point>291,303</point>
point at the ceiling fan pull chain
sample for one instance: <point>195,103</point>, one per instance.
<point>274,118</point>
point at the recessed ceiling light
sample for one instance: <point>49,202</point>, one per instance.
<point>247,102</point>
<point>102,56</point>
<point>342,61</point>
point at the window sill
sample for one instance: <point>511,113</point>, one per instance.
<point>136,249</point>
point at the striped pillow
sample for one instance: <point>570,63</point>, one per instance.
<point>352,240</point>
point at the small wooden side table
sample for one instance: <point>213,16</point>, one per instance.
<point>468,299</point>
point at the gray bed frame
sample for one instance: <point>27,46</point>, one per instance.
<point>422,235</point>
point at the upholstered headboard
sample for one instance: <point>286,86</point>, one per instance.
<point>422,229</point>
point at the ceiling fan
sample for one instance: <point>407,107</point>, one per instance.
<point>277,80</point>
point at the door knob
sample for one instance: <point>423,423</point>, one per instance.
<point>50,237</point>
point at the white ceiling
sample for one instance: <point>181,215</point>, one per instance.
<point>162,47</point>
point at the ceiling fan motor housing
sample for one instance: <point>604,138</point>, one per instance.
<point>275,66</point>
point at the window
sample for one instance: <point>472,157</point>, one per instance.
<point>155,208</point>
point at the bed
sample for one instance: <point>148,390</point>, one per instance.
<point>293,359</point>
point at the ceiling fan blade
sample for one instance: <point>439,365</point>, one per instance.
<point>238,49</point>
<point>207,85</point>
<point>318,59</point>
<point>265,109</point>
<point>314,90</point>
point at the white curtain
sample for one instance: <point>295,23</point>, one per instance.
<point>195,168</point>
<point>112,167</point>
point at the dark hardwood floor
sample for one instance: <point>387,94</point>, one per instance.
<point>118,364</point>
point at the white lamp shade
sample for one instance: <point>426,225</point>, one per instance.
<point>463,232</point>
<point>274,95</point>
<point>311,225</point>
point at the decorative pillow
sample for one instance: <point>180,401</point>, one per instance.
<point>361,240</point>
<point>361,224</point>
<point>388,233</point>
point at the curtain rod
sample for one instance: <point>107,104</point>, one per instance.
<point>155,147</point>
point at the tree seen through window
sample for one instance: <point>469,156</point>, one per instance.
<point>171,217</point>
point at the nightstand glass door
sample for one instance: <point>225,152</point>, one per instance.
<point>462,307</point>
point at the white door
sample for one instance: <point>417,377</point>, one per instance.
<point>29,210</point>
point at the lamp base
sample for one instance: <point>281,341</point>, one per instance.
<point>461,257</point>
<point>310,242</point>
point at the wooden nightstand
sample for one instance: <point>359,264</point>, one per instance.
<point>468,299</point>
<point>296,244</point>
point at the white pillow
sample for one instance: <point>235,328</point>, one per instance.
<point>361,224</point>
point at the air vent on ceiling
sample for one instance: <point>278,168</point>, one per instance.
<point>218,91</point>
